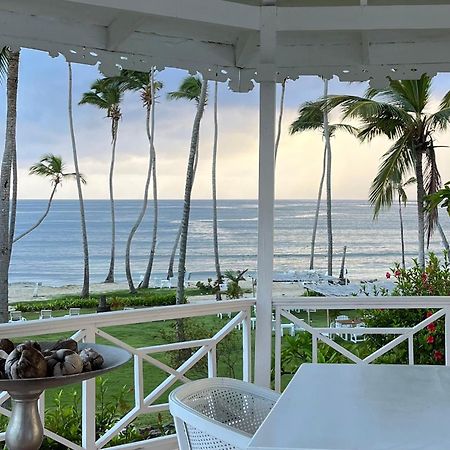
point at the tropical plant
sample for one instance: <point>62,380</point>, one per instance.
<point>234,278</point>
<point>311,116</point>
<point>147,86</point>
<point>108,97</point>
<point>9,64</point>
<point>53,167</point>
<point>401,112</point>
<point>440,198</point>
<point>78,176</point>
<point>192,88</point>
<point>393,188</point>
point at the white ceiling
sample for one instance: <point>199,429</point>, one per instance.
<point>220,38</point>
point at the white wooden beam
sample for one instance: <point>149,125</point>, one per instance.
<point>121,28</point>
<point>216,12</point>
<point>246,46</point>
<point>360,18</point>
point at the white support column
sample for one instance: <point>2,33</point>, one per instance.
<point>266,188</point>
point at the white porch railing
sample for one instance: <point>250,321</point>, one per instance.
<point>284,306</point>
<point>88,327</point>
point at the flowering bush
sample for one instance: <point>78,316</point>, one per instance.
<point>415,281</point>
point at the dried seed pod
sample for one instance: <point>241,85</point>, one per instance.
<point>64,362</point>
<point>3,357</point>
<point>25,361</point>
<point>92,360</point>
<point>7,346</point>
<point>67,344</point>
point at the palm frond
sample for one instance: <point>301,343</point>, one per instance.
<point>440,120</point>
<point>396,163</point>
<point>310,117</point>
<point>4,62</point>
<point>189,89</point>
<point>432,183</point>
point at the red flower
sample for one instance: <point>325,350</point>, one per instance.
<point>432,327</point>
<point>424,277</point>
<point>388,275</point>
<point>430,340</point>
<point>429,313</point>
<point>397,273</point>
<point>438,356</point>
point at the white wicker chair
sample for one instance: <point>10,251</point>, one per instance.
<point>219,413</point>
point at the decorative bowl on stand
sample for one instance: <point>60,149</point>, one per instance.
<point>25,430</point>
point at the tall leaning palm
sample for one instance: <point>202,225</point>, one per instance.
<point>78,176</point>
<point>145,84</point>
<point>9,66</point>
<point>311,118</point>
<point>192,88</point>
<point>52,167</point>
<point>401,112</point>
<point>108,97</point>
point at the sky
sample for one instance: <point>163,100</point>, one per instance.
<point>43,128</point>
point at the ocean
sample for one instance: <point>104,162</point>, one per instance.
<point>52,253</point>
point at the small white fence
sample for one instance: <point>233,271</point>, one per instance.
<point>88,327</point>
<point>284,306</point>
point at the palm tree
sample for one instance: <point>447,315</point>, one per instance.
<point>9,64</point>
<point>401,113</point>
<point>214,193</point>
<point>78,176</point>
<point>280,117</point>
<point>192,88</point>
<point>395,187</point>
<point>53,167</point>
<point>311,117</point>
<point>147,86</point>
<point>108,97</point>
<point>50,166</point>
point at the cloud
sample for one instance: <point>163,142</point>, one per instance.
<point>43,127</point>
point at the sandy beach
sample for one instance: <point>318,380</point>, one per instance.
<point>24,291</point>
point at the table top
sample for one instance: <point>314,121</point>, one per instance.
<point>355,407</point>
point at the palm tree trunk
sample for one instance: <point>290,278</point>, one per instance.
<point>110,277</point>
<point>402,232</point>
<point>316,216</point>
<point>326,132</point>
<point>85,288</point>
<point>12,218</point>
<point>178,236</point>
<point>150,127</point>
<point>280,117</point>
<point>420,207</point>
<point>49,204</point>
<point>187,193</point>
<point>148,271</point>
<point>5,180</point>
<point>214,191</point>
<point>442,234</point>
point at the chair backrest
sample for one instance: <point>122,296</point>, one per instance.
<point>219,413</point>
<point>15,316</point>
<point>74,311</point>
<point>46,314</point>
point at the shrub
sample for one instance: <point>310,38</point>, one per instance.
<point>147,300</point>
<point>415,281</point>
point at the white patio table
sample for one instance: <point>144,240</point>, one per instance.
<point>360,407</point>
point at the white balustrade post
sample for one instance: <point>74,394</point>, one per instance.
<point>247,347</point>
<point>267,77</point>
<point>88,404</point>
<point>138,381</point>
<point>447,336</point>
<point>278,334</point>
<point>212,362</point>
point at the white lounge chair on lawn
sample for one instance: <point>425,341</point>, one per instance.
<point>73,312</point>
<point>219,413</point>
<point>16,316</point>
<point>45,314</point>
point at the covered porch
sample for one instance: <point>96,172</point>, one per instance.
<point>246,44</point>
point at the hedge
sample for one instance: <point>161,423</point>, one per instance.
<point>154,299</point>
